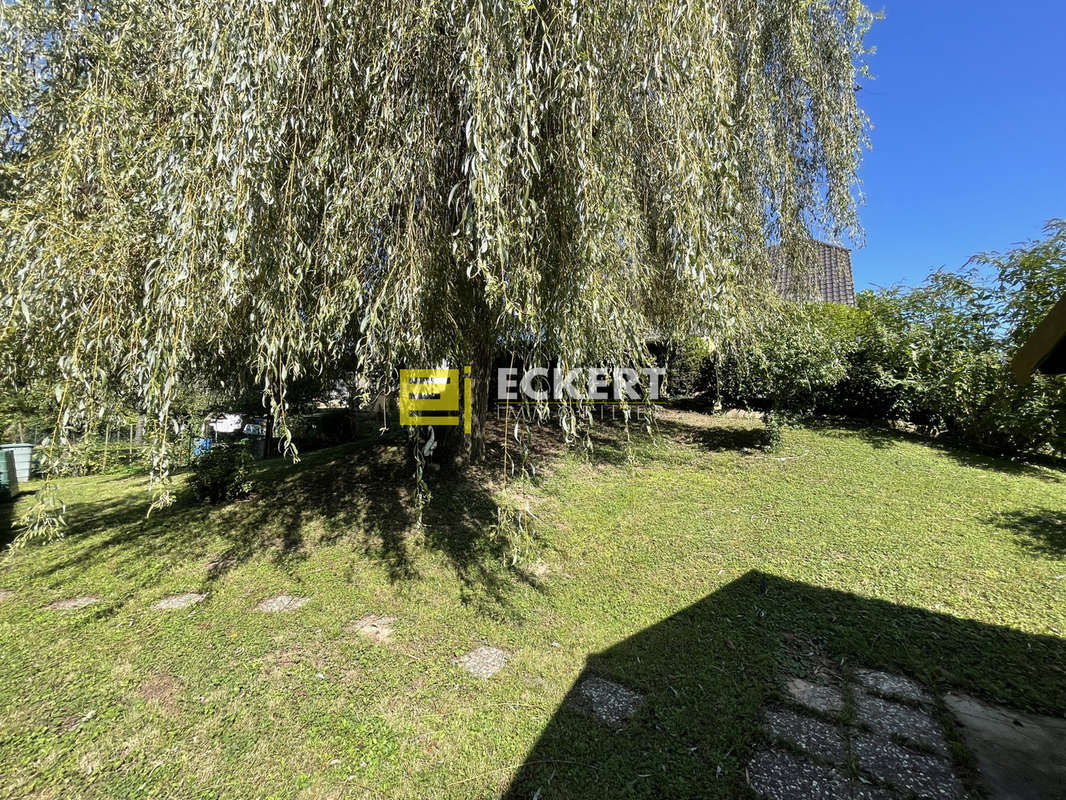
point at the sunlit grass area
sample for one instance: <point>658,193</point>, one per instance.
<point>696,569</point>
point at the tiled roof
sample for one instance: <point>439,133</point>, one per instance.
<point>828,280</point>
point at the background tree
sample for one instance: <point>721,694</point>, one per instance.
<point>1030,279</point>
<point>278,185</point>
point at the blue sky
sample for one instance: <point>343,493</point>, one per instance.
<point>969,139</point>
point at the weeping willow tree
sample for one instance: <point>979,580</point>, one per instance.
<point>199,187</point>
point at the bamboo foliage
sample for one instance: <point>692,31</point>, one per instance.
<point>281,184</point>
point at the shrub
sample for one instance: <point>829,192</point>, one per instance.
<point>685,366</point>
<point>324,429</point>
<point>793,364</point>
<point>935,356</point>
<point>223,473</point>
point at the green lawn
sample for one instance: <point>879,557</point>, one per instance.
<point>696,571</point>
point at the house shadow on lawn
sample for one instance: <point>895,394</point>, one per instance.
<point>707,674</point>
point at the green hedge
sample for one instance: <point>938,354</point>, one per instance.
<point>935,356</point>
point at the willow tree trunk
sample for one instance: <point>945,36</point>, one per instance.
<point>480,380</point>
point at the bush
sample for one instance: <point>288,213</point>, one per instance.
<point>935,357</point>
<point>938,358</point>
<point>324,429</point>
<point>685,366</point>
<point>223,473</point>
<point>794,364</point>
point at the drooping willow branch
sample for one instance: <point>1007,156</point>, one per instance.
<point>276,186</point>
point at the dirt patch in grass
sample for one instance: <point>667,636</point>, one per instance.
<point>162,690</point>
<point>4,594</point>
<point>71,722</point>
<point>218,566</point>
<point>539,570</point>
<point>373,627</point>
<point>279,662</point>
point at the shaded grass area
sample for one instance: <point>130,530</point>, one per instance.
<point>695,569</point>
<point>706,671</point>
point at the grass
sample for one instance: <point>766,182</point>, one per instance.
<point>697,570</point>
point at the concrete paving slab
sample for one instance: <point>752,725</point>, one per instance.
<point>484,662</point>
<point>925,776</point>
<point>1019,756</point>
<point>281,603</point>
<point>892,719</point>
<point>862,791</point>
<point>183,600</point>
<point>893,686</point>
<point>810,735</point>
<point>826,699</point>
<point>778,775</point>
<point>73,603</point>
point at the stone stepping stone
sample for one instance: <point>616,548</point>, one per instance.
<point>218,566</point>
<point>893,719</point>
<point>281,603</point>
<point>812,736</point>
<point>484,662</point>
<point>74,603</point>
<point>824,699</point>
<point>605,701</point>
<point>779,775</point>
<point>376,629</point>
<point>927,777</point>
<point>1019,755</point>
<point>893,686</point>
<point>784,776</point>
<point>183,600</point>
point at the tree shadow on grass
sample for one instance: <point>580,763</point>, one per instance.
<point>707,673</point>
<point>1042,531</point>
<point>608,435</point>
<point>359,495</point>
<point>1050,470</point>
<point>715,432</point>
